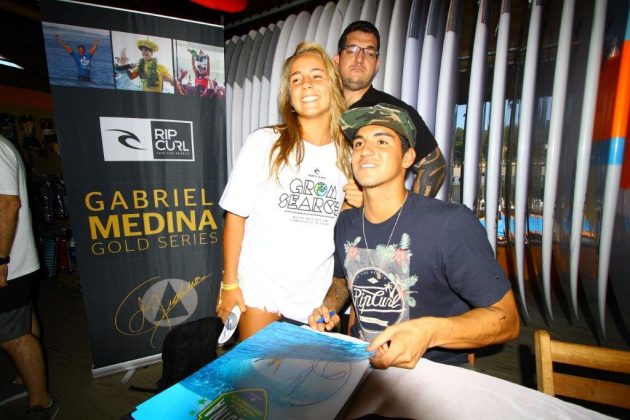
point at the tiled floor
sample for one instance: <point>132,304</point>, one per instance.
<point>83,397</point>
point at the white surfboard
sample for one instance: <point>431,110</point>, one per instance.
<point>383,19</point>
<point>334,31</point>
<point>584,144</point>
<point>554,144</point>
<point>321,33</point>
<point>297,32</point>
<point>229,97</point>
<point>368,11</point>
<point>430,63</point>
<point>276,70</point>
<point>258,76</point>
<point>263,107</point>
<point>413,51</point>
<point>392,72</point>
<point>246,106</point>
<point>312,23</point>
<point>237,94</point>
<point>524,146</point>
<point>495,142</point>
<point>229,51</point>
<point>447,88</point>
<point>474,110</point>
<point>618,132</point>
<point>353,13</point>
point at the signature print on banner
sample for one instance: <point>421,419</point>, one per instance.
<point>156,303</point>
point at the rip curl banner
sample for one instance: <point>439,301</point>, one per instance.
<point>139,103</point>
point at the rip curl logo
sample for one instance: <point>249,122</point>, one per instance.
<point>379,302</point>
<point>309,197</point>
<point>380,283</point>
<point>128,135</point>
<point>142,139</point>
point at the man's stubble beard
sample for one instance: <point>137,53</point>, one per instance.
<point>356,83</point>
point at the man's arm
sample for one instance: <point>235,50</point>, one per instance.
<point>403,344</point>
<point>430,173</point>
<point>9,208</point>
<point>94,45</point>
<point>63,44</point>
<point>334,300</point>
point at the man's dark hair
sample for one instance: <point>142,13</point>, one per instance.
<point>359,25</point>
<point>80,46</point>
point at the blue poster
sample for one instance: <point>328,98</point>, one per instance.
<point>284,371</point>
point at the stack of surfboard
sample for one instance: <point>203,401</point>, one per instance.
<point>420,54</point>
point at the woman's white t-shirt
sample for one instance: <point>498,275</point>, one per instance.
<point>286,260</point>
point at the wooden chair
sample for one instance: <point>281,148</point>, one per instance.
<point>550,351</point>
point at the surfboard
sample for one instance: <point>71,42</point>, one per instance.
<point>584,145</point>
<point>237,94</point>
<point>474,109</point>
<point>368,11</point>
<point>353,13</point>
<point>246,106</point>
<point>383,19</point>
<point>276,70</point>
<point>392,80</point>
<point>228,52</point>
<point>528,97</point>
<point>312,23</point>
<point>334,31</point>
<point>430,63</point>
<point>413,51</point>
<point>321,33</point>
<point>229,97</point>
<point>258,76</point>
<point>263,106</point>
<point>447,88</point>
<point>493,167</point>
<point>616,139</point>
<point>297,32</point>
<point>554,144</point>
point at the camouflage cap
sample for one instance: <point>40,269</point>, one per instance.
<point>384,115</point>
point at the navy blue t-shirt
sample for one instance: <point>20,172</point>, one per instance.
<point>438,263</point>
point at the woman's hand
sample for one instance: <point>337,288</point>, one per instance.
<point>354,195</point>
<point>227,300</point>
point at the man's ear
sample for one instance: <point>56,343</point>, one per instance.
<point>335,59</point>
<point>408,158</point>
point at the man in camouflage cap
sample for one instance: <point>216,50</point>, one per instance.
<point>420,272</point>
<point>385,115</point>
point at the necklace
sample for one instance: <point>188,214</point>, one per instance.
<point>378,272</point>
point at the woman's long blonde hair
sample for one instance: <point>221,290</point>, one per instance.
<point>290,139</point>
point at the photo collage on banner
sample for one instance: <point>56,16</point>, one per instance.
<point>89,57</point>
<point>139,101</point>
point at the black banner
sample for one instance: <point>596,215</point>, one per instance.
<point>139,102</point>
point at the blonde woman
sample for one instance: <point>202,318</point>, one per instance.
<point>283,197</point>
